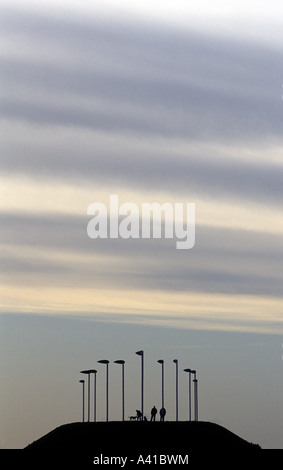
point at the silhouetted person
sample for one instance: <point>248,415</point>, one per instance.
<point>162,414</point>
<point>139,415</point>
<point>153,413</point>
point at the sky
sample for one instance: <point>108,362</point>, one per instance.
<point>152,101</point>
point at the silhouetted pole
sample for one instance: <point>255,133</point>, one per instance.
<point>141,353</point>
<point>83,382</point>
<point>177,392</point>
<point>94,372</point>
<point>195,395</point>
<point>123,386</point>
<point>94,398</point>
<point>190,393</point>
<point>88,388</point>
<point>105,361</point>
<point>196,399</point>
<point>162,380</point>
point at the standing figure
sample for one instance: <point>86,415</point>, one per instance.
<point>139,415</point>
<point>153,414</point>
<point>162,414</point>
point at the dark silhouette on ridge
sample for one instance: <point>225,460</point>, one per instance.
<point>153,413</point>
<point>139,415</point>
<point>162,413</point>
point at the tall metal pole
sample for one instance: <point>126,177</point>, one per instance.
<point>120,361</point>
<point>194,374</point>
<point>105,361</point>
<point>94,398</point>
<point>88,397</point>
<point>162,380</point>
<point>141,353</point>
<point>196,399</point>
<point>123,391</point>
<point>190,393</point>
<point>83,382</point>
<point>195,395</point>
<point>107,391</point>
<point>94,371</point>
<point>177,391</point>
<point>88,372</point>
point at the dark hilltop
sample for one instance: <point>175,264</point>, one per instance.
<point>133,439</point>
<point>141,437</point>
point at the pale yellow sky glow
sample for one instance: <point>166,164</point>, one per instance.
<point>171,309</point>
<point>27,196</point>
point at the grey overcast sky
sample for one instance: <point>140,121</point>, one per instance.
<point>153,101</point>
